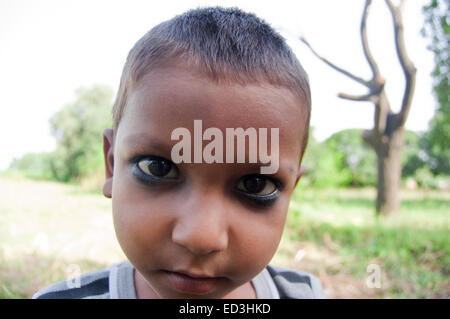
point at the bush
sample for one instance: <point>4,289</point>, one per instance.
<point>413,154</point>
<point>425,178</point>
<point>34,165</point>
<point>357,157</point>
<point>325,167</point>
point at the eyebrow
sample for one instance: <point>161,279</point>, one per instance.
<point>143,142</point>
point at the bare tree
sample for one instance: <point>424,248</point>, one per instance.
<point>387,135</point>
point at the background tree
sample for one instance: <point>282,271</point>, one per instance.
<point>78,129</point>
<point>358,158</point>
<point>34,165</point>
<point>324,166</point>
<point>436,139</point>
<point>344,160</point>
<point>414,157</point>
<point>386,138</point>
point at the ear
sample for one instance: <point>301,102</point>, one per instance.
<point>108,153</point>
<point>301,171</point>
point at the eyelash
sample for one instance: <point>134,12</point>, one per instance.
<point>260,200</point>
<point>143,177</point>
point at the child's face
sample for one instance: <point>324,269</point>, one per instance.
<point>196,218</point>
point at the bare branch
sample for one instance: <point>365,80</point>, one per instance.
<point>350,97</point>
<point>339,69</point>
<point>390,5</point>
<point>365,43</point>
<point>409,70</point>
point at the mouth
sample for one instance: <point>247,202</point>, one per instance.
<point>190,283</point>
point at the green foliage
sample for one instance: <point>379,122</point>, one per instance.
<point>78,129</point>
<point>436,141</point>
<point>345,160</point>
<point>411,247</point>
<point>325,167</point>
<point>425,178</point>
<point>34,165</point>
<point>358,157</point>
<point>437,138</point>
<point>413,154</point>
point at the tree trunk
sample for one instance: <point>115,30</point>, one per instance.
<point>387,136</point>
<point>389,158</point>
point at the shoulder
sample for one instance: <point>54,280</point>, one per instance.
<point>295,284</point>
<point>90,285</point>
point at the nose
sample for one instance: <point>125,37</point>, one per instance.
<point>202,226</point>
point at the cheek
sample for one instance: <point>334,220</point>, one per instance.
<point>257,239</point>
<point>141,225</point>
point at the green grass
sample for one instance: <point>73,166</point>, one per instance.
<point>411,247</point>
<point>46,227</point>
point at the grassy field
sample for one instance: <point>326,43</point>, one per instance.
<point>46,228</point>
<point>411,249</point>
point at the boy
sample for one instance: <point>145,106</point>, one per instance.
<point>207,225</point>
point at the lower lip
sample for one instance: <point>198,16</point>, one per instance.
<point>188,284</point>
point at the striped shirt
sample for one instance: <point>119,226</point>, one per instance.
<point>117,282</point>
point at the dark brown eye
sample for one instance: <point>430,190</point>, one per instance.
<point>256,184</point>
<point>157,167</point>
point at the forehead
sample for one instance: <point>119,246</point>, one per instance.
<point>168,98</point>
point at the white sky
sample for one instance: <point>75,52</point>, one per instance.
<point>49,48</point>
